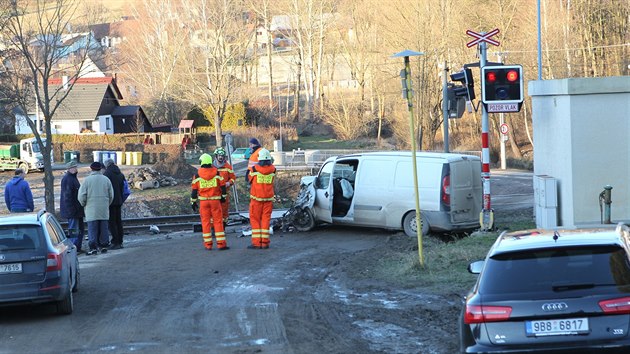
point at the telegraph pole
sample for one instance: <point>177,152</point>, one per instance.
<point>445,105</point>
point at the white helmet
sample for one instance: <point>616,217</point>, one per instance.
<point>264,154</point>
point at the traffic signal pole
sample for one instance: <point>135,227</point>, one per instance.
<point>445,105</point>
<point>486,218</point>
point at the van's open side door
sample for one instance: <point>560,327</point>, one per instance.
<point>324,193</point>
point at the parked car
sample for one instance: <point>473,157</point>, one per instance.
<point>376,189</point>
<point>38,264</point>
<point>239,153</point>
<point>550,291</point>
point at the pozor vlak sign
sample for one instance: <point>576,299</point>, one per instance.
<point>502,88</point>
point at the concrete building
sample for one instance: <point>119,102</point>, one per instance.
<point>581,144</point>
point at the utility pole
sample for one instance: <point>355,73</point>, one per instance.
<point>503,137</point>
<point>445,105</point>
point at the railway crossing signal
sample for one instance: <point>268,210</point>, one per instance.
<point>502,88</point>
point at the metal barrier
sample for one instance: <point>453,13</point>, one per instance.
<point>315,158</point>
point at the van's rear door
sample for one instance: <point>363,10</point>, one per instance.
<point>466,190</point>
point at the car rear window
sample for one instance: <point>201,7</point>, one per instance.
<point>22,237</point>
<point>582,269</point>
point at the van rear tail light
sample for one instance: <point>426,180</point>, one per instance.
<point>446,190</point>
<point>482,314</point>
<point>616,306</point>
<point>53,262</point>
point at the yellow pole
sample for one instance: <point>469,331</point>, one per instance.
<point>413,157</point>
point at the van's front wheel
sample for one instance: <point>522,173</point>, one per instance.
<point>304,220</point>
<point>410,224</point>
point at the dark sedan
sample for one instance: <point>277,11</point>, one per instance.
<point>552,292</point>
<point>38,264</point>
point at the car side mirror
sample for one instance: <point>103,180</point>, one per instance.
<point>475,267</point>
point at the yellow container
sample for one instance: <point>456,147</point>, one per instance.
<point>120,158</point>
<point>137,158</point>
<point>128,158</point>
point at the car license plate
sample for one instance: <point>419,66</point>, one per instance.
<point>557,327</point>
<point>11,268</point>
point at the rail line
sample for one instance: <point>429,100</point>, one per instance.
<point>181,222</point>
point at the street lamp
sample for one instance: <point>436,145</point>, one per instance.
<point>407,87</point>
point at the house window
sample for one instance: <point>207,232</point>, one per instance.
<point>107,123</point>
<point>57,126</point>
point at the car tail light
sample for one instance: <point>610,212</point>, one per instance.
<point>446,190</point>
<point>481,314</point>
<point>616,306</point>
<point>53,262</point>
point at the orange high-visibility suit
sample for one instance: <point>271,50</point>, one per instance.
<point>261,203</point>
<point>208,187</point>
<point>227,172</point>
<point>253,158</point>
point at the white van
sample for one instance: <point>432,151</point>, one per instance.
<point>378,191</point>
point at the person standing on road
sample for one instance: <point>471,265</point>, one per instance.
<point>206,196</point>
<point>95,195</point>
<point>17,194</point>
<point>69,205</point>
<point>254,150</point>
<point>261,177</point>
<point>227,172</point>
<point>115,208</point>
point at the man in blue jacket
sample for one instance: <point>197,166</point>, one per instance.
<point>17,194</point>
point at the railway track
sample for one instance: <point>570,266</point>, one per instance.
<point>190,222</point>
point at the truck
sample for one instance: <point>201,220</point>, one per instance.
<point>25,155</point>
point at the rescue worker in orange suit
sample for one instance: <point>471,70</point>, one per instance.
<point>261,177</point>
<point>226,171</point>
<point>206,197</point>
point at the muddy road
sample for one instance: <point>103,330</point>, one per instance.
<point>162,294</point>
<point>308,293</point>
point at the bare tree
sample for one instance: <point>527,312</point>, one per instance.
<point>220,37</point>
<point>310,21</point>
<point>36,53</point>
<point>154,55</point>
<point>264,14</point>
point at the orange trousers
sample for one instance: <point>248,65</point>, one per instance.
<point>211,214</point>
<point>260,219</point>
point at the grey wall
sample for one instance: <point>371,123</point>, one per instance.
<point>581,137</point>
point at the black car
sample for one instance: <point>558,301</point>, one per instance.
<point>38,264</point>
<point>550,291</point>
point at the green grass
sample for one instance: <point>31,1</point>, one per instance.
<point>445,262</point>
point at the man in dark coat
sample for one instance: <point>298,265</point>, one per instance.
<point>17,194</point>
<point>115,208</point>
<point>70,207</point>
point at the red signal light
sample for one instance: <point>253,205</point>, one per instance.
<point>512,76</point>
<point>491,76</point>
